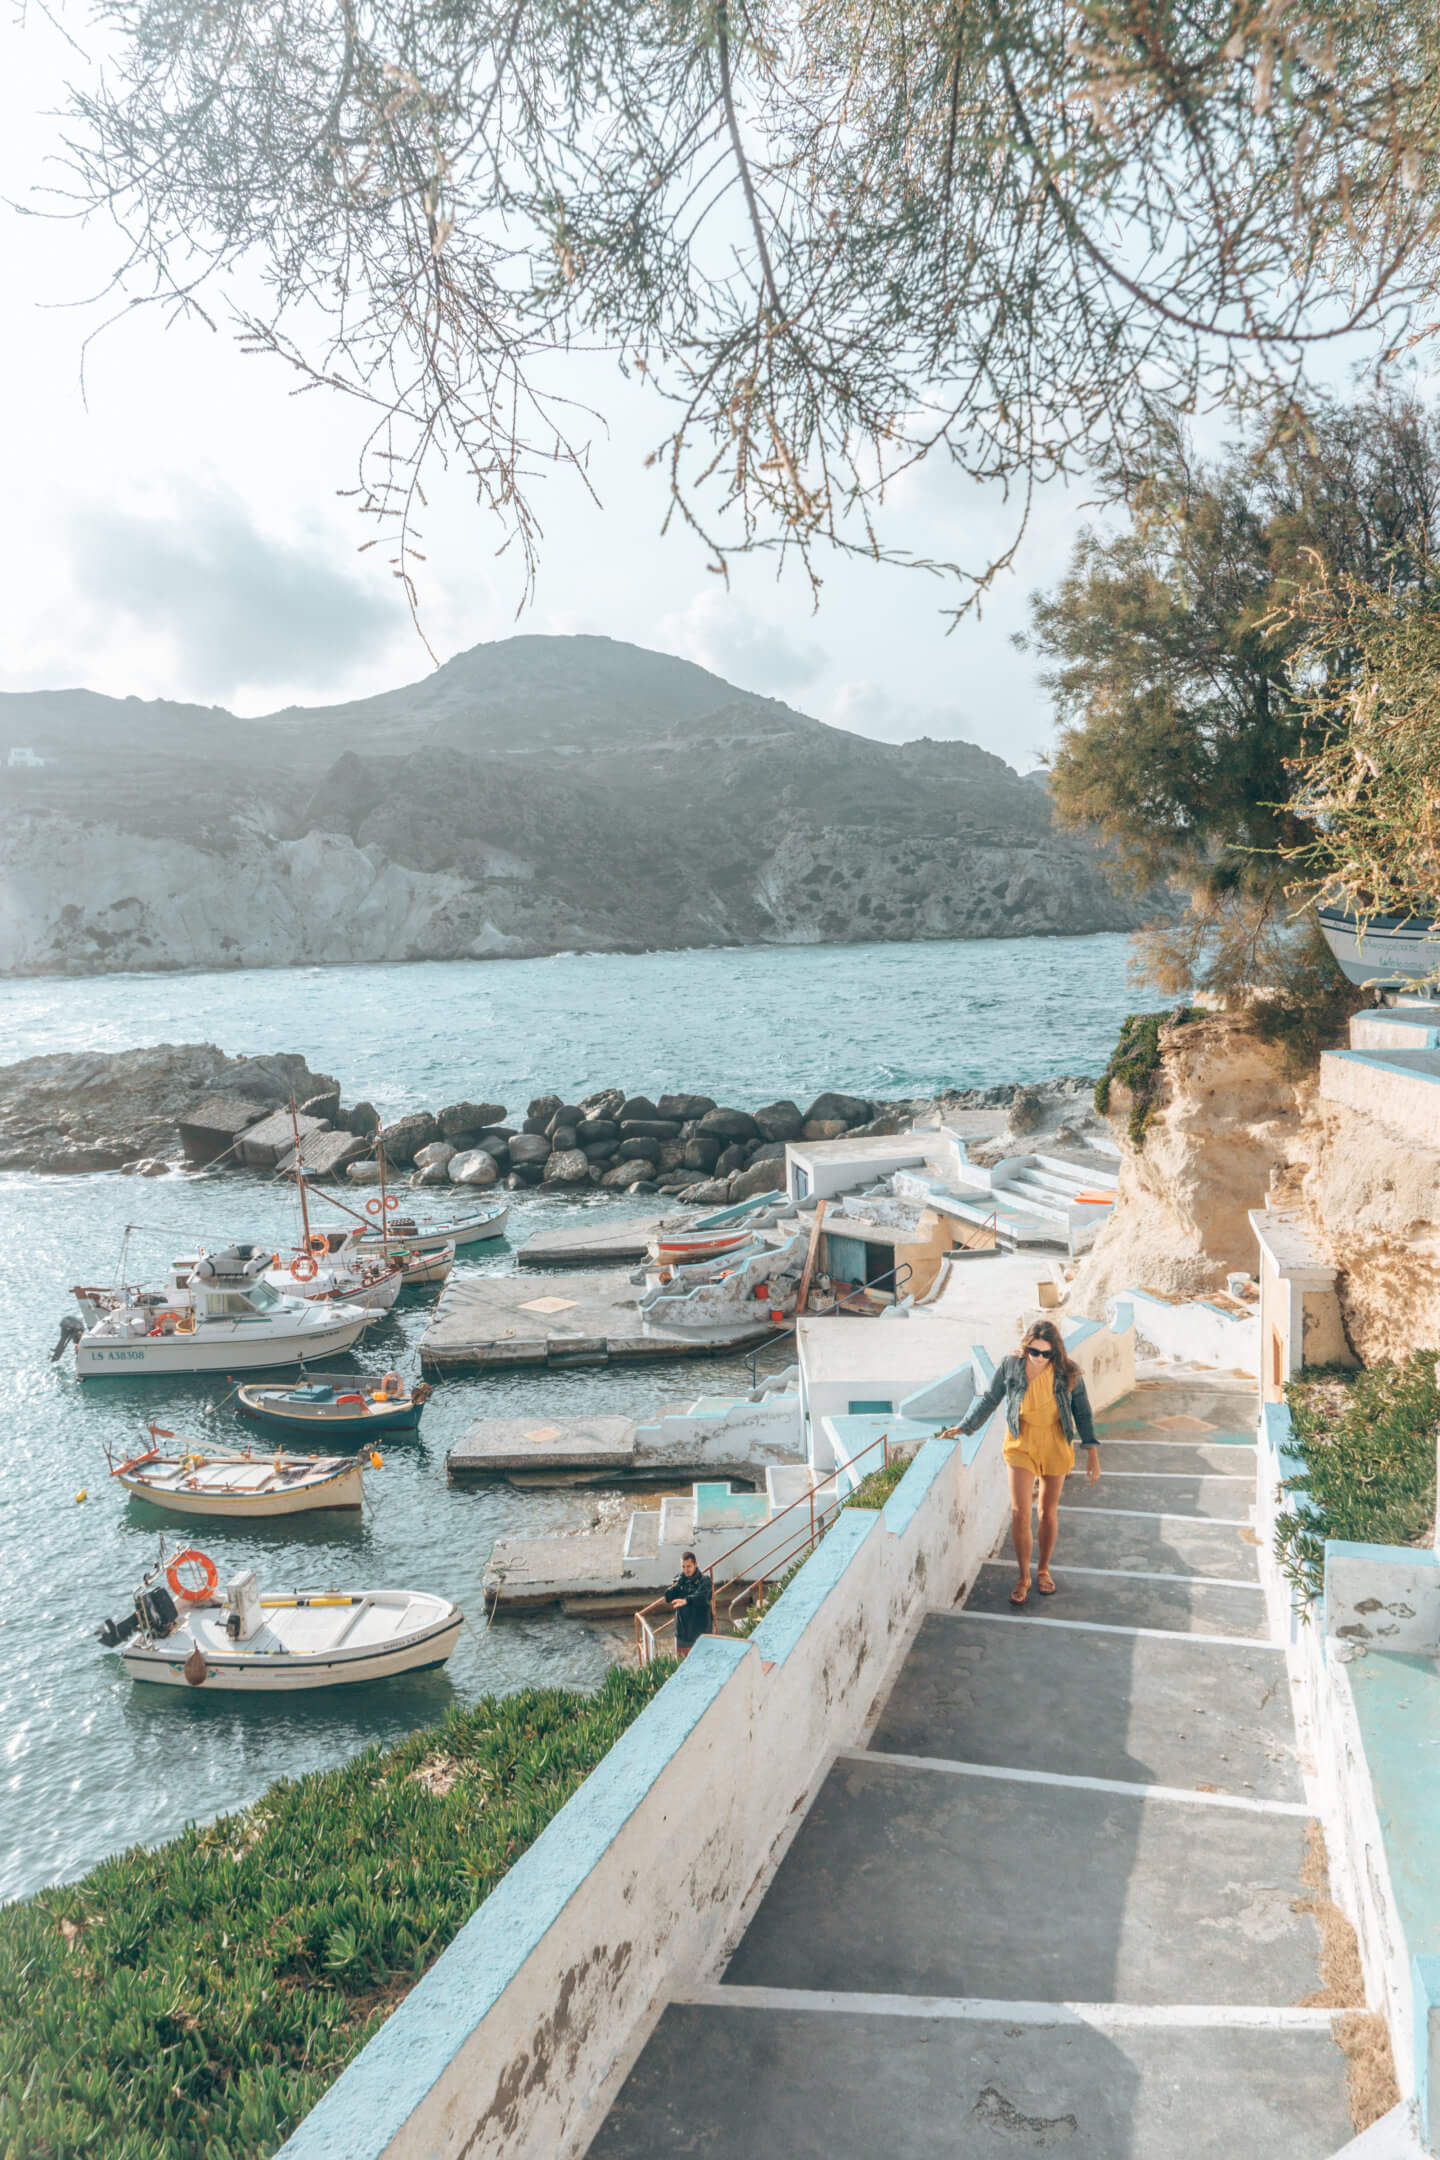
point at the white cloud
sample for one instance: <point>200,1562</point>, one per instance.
<point>718,631</point>
<point>867,709</point>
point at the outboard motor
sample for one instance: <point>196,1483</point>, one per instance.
<point>155,1611</point>
<point>71,1330</point>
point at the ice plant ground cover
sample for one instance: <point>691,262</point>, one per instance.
<point>193,2000</point>
<point>1367,1441</point>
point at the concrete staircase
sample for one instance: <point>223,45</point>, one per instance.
<point>1391,1069</point>
<point>1056,1900</point>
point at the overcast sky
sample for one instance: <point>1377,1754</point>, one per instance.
<point>176,529</point>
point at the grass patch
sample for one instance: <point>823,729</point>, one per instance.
<point>874,1490</point>
<point>1136,1063</point>
<point>194,2000</point>
<point>1367,1443</point>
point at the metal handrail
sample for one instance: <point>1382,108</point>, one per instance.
<point>647,1632</point>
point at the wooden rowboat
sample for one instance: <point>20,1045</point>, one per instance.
<point>674,1247</point>
<point>191,1480</point>
<point>337,1407</point>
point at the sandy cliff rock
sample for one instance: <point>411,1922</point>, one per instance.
<point>1226,1119</point>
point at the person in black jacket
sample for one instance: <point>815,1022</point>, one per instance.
<point>689,1599</point>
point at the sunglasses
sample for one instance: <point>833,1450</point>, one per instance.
<point>1031,1351</point>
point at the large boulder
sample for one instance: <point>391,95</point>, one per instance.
<point>435,1173</point>
<point>601,1151</point>
<point>363,1173</point>
<point>605,1102</point>
<point>637,1106</point>
<point>761,1177</point>
<point>363,1120</point>
<point>569,1114</point>
<point>403,1140</point>
<point>528,1148</point>
<point>708,1192</point>
<point>473,1167</point>
<point>703,1151</point>
<point>640,1149</point>
<point>567,1166</point>
<point>823,1128</point>
<point>731,1159</point>
<point>543,1107</point>
<point>563,1137</point>
<point>672,1154</point>
<point>684,1107</point>
<point>325,1105</point>
<point>626,1175</point>
<point>849,1109</point>
<point>596,1128</point>
<point>458,1118</point>
<point>649,1128</point>
<point>729,1125</point>
<point>780,1120</point>
<point>438,1152</point>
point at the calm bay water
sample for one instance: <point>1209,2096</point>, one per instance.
<point>92,1763</point>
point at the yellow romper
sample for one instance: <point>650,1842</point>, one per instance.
<point>1041,1445</point>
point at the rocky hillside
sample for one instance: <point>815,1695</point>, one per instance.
<point>531,796</point>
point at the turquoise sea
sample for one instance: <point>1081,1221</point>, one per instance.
<point>90,1762</point>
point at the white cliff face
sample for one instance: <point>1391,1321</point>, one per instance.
<point>91,899</point>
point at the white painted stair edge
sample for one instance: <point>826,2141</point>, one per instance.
<point>1394,2137</point>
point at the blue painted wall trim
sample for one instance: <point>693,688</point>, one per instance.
<point>1378,1062</point>
<point>929,1463</point>
<point>370,2102</point>
<point>1425,1984</point>
<point>1079,1331</point>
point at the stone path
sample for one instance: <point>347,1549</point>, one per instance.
<point>1051,1904</point>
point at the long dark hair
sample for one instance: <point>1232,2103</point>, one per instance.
<point>1064,1366</point>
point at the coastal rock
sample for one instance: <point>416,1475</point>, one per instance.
<point>600,1151</point>
<point>436,1154</point>
<point>363,1173</point>
<point>761,1177</point>
<point>707,1192</point>
<point>325,1105</point>
<point>567,1166</point>
<point>780,1121</point>
<point>527,1148</point>
<point>363,1120</point>
<point>627,1175</point>
<point>849,1109</point>
<point>596,1128</point>
<point>403,1140</point>
<point>824,1129</point>
<point>435,1173</point>
<point>684,1107</point>
<point>544,1108</point>
<point>467,1117</point>
<point>640,1150</point>
<point>731,1159</point>
<point>656,1128</point>
<point>604,1103</point>
<point>474,1167</point>
<point>562,1138</point>
<point>729,1125</point>
<point>703,1152</point>
<point>91,1110</point>
<point>637,1106</point>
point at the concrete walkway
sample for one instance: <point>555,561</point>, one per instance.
<point>1052,1903</point>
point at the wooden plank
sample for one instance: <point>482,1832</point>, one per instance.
<point>814,1246</point>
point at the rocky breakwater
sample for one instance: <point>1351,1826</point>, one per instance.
<point>686,1144</point>
<point>130,1109</point>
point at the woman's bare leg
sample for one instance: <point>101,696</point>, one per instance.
<point>1050,1490</point>
<point>1022,1494</point>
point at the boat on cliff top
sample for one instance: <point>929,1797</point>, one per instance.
<point>188,1479</point>
<point>183,1632</point>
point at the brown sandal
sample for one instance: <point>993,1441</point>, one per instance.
<point>1045,1583</point>
<point>1019,1594</point>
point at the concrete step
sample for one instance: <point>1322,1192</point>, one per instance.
<point>642,1535</point>
<point>1187,1605</point>
<point>1174,1546</point>
<point>824,2083</point>
<point>1144,1709</point>
<point>913,1880</point>
<point>1120,1451</point>
<point>1122,1488</point>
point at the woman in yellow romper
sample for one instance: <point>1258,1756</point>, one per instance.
<point>1047,1411</point>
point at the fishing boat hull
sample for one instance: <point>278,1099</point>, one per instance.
<point>427,1631</point>
<point>98,1355</point>
<point>337,1487</point>
<point>1393,949</point>
<point>379,1295</point>
<point>471,1230</point>
<point>430,1267</point>
<point>326,1422</point>
<point>677,1248</point>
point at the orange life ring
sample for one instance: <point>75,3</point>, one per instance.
<point>304,1269</point>
<point>392,1384</point>
<point>317,1244</point>
<point>391,1201</point>
<point>373,1207</point>
<point>192,1558</point>
<point>159,1327</point>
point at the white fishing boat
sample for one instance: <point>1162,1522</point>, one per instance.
<point>328,1278</point>
<point>418,1237</point>
<point>184,1633</point>
<point>188,1479</point>
<point>223,1317</point>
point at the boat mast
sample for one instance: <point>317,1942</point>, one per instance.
<point>300,1180</point>
<point>384,1211</point>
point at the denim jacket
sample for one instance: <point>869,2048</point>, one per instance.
<point>1010,1382</point>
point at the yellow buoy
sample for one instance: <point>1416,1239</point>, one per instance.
<point>83,1494</point>
<point>377,1462</point>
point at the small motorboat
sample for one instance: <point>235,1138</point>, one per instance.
<point>192,1480</point>
<point>315,1273</point>
<point>335,1406</point>
<point>184,1633</point>
<point>1387,951</point>
<point>221,1317</point>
